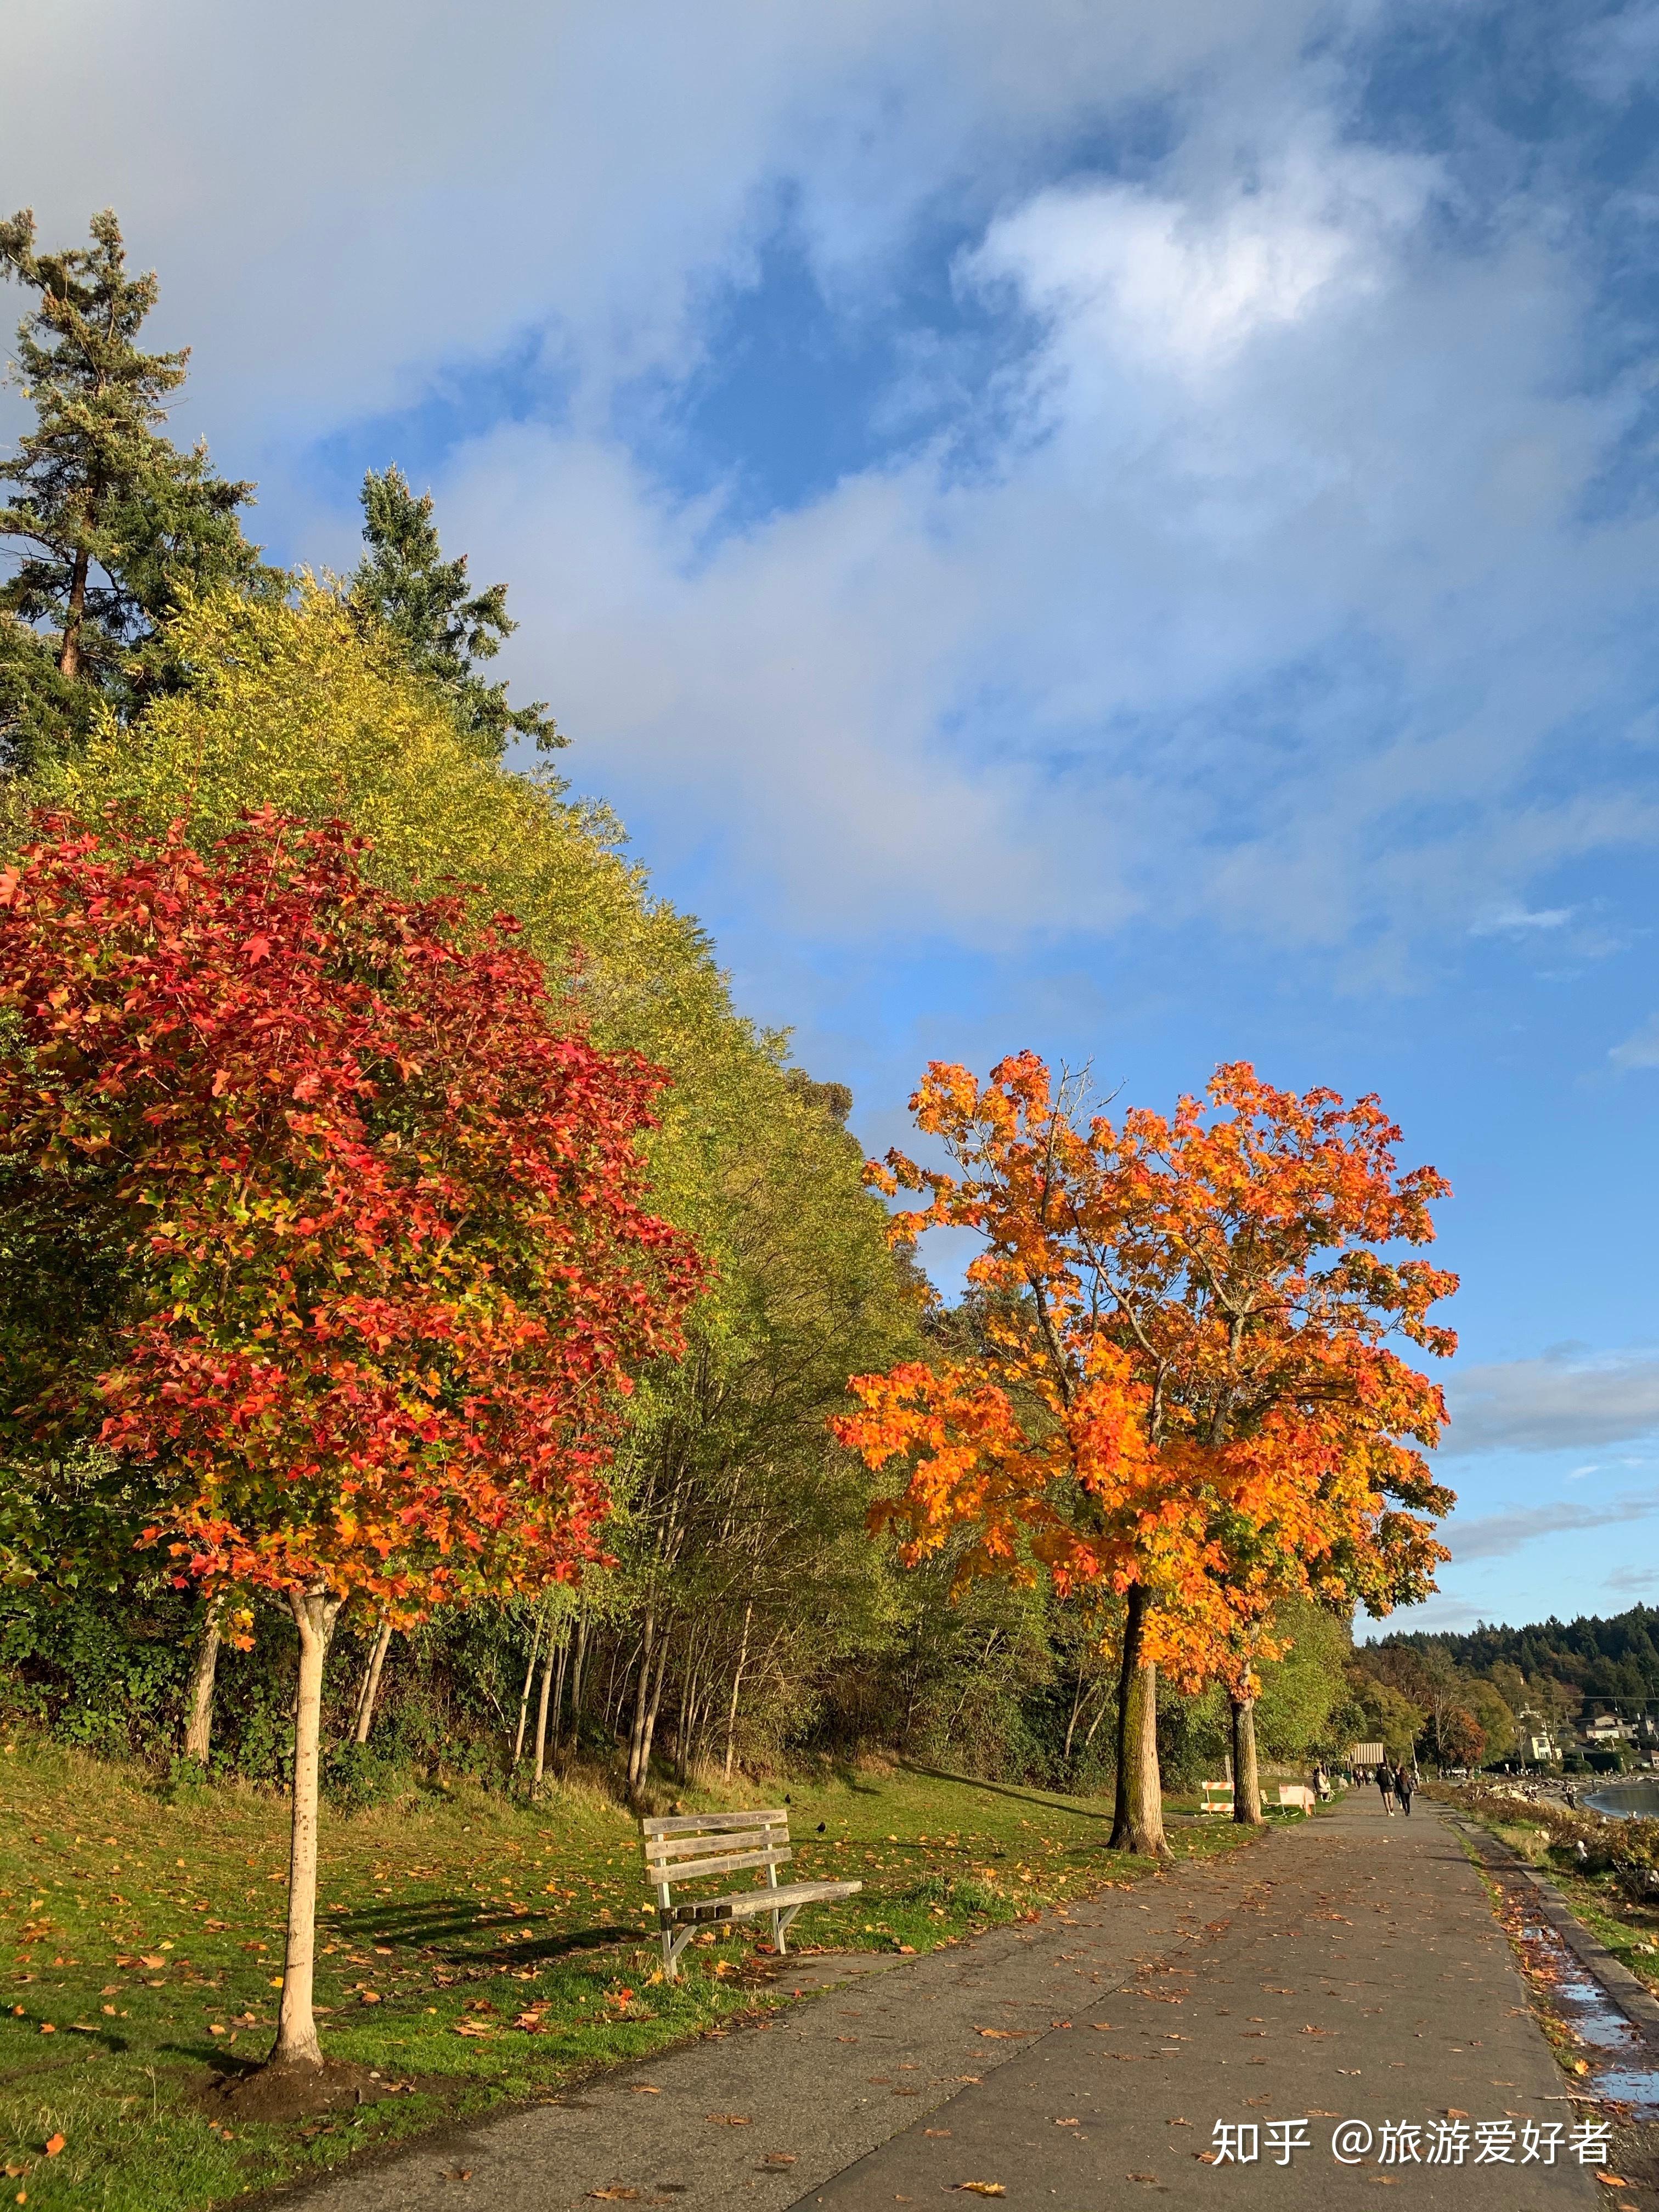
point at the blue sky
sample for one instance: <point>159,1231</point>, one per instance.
<point>1129,531</point>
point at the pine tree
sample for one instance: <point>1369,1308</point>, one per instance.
<point>404,582</point>
<point>111,522</point>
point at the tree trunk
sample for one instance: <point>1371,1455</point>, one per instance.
<point>649,1734</point>
<point>636,1754</point>
<point>372,1683</point>
<point>576,1679</point>
<point>558,1684</point>
<point>296,2045</point>
<point>198,1730</point>
<point>737,1684</point>
<point>69,657</point>
<point>1138,1820</point>
<point>523,1699</point>
<point>543,1703</point>
<point>1071,1725</point>
<point>1247,1793</point>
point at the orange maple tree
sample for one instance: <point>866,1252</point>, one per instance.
<point>380,1261</point>
<point>1185,1391</point>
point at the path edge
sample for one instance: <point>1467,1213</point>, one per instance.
<point>1632,1995</point>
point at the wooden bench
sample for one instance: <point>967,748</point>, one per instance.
<point>695,1846</point>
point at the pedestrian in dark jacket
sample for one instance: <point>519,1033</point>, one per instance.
<point>1404,1784</point>
<point>1385,1783</point>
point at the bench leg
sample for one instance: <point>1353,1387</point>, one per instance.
<point>674,1941</point>
<point>781,1923</point>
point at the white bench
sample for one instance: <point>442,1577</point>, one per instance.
<point>1295,1796</point>
<point>695,1846</point>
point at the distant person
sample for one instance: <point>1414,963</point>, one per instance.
<point>1385,1783</point>
<point>1405,1782</point>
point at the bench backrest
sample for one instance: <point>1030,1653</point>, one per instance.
<point>687,1846</point>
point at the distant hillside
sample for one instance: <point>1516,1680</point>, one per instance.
<point>1615,1659</point>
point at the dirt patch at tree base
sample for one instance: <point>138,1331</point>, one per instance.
<point>297,2091</point>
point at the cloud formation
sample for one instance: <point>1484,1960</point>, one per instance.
<point>1496,1535</point>
<point>1257,585</point>
<point>1565,1400</point>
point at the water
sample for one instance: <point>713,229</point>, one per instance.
<point>1627,1800</point>
<point>1622,2071</point>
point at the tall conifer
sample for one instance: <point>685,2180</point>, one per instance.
<point>403,581</point>
<point>109,520</point>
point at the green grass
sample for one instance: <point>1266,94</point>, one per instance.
<point>139,1939</point>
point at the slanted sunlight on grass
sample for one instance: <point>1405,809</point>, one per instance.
<point>473,1951</point>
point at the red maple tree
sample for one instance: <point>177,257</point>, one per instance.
<point>379,1212</point>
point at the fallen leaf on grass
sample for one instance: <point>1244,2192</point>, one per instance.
<point>55,2144</point>
<point>475,2027</point>
<point>152,1962</point>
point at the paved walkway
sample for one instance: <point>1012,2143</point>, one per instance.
<point>1348,1969</point>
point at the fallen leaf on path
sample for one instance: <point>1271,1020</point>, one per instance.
<point>615,2195</point>
<point>1140,2176</point>
<point>935,2131</point>
<point>644,2089</point>
<point>729,2119</point>
<point>1607,2180</point>
<point>982,2188</point>
<point>460,2173</point>
<point>779,2158</point>
<point>1456,2113</point>
<point>1002,2034</point>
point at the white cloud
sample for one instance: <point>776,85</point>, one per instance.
<point>1567,1398</point>
<point>1521,920</point>
<point>1496,1535</point>
<point>1641,1048</point>
<point>1271,610</point>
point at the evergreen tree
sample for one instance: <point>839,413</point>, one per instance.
<point>404,582</point>
<point>110,521</point>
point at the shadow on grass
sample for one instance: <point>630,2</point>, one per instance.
<point>1052,1801</point>
<point>455,1932</point>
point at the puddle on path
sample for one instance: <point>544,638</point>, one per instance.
<point>1623,2068</point>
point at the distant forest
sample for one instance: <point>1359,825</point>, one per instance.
<point>1615,1660</point>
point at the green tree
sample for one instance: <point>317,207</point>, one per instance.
<point>109,522</point>
<point>403,582</point>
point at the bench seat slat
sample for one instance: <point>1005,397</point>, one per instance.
<point>743,1903</point>
<point>731,1862</point>
<point>680,1824</point>
<point>675,1849</point>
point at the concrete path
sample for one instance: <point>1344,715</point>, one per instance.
<point>1348,1969</point>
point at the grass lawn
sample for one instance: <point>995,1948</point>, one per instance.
<point>477,1950</point>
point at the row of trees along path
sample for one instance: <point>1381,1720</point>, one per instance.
<point>347,1224</point>
<point>1176,1393</point>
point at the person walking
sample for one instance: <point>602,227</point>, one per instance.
<point>1385,1783</point>
<point>1405,1782</point>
